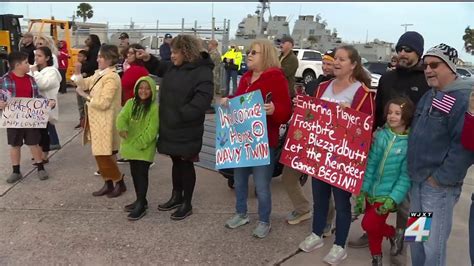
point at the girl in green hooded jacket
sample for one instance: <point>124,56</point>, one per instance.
<point>137,124</point>
<point>386,180</point>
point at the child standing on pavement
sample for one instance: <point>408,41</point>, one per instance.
<point>386,180</point>
<point>137,124</point>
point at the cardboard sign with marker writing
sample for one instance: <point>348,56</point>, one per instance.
<point>25,113</point>
<point>241,133</point>
<point>328,142</point>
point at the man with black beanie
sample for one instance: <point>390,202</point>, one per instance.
<point>407,80</point>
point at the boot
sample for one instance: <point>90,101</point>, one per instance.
<point>183,211</point>
<point>107,188</point>
<point>377,260</point>
<point>396,243</point>
<point>118,189</point>
<point>139,211</point>
<point>131,206</point>
<point>174,202</point>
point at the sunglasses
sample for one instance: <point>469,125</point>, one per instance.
<point>404,48</point>
<point>253,52</point>
<point>433,65</point>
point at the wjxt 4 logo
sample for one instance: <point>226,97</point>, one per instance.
<point>418,226</point>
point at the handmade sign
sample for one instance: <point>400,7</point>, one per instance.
<point>241,133</point>
<point>328,142</point>
<point>25,113</point>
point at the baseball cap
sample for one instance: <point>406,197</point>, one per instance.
<point>168,36</point>
<point>123,35</point>
<point>286,38</point>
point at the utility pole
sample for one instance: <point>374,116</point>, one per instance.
<point>406,25</point>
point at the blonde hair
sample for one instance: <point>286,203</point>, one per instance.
<point>268,52</point>
<point>189,45</point>
<point>48,42</point>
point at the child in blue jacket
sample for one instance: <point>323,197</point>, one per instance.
<point>386,180</point>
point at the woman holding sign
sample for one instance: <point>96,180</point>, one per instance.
<point>265,75</point>
<point>103,103</point>
<point>349,88</point>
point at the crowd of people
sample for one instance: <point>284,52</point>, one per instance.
<point>420,152</point>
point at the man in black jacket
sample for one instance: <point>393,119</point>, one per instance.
<point>407,80</point>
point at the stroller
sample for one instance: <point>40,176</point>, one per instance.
<point>229,173</point>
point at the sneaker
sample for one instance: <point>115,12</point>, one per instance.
<point>327,232</point>
<point>42,175</point>
<point>295,218</point>
<point>377,260</point>
<point>361,242</point>
<point>122,161</point>
<point>97,173</point>
<point>262,230</point>
<point>14,177</point>
<point>336,255</point>
<point>311,243</point>
<point>54,147</point>
<point>237,221</point>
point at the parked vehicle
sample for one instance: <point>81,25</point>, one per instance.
<point>379,67</point>
<point>464,72</point>
<point>309,64</point>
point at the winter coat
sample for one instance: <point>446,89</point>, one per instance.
<point>363,98</point>
<point>467,135</point>
<point>92,64</point>
<point>386,173</point>
<point>102,110</point>
<point>129,79</point>
<point>63,56</point>
<point>49,80</point>
<point>434,144</point>
<point>165,52</point>
<point>186,93</point>
<point>271,80</point>
<point>289,65</point>
<point>311,86</point>
<point>401,82</point>
<point>141,140</point>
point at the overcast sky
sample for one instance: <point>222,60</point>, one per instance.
<point>437,22</point>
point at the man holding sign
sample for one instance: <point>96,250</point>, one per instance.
<point>17,83</point>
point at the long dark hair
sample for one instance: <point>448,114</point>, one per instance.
<point>358,73</point>
<point>95,41</point>
<point>140,107</point>
<point>47,53</point>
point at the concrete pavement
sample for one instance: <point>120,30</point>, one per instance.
<point>59,222</point>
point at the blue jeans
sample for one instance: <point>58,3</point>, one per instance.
<point>321,196</point>
<point>440,201</point>
<point>53,134</point>
<point>262,176</point>
<point>471,230</point>
<point>230,74</point>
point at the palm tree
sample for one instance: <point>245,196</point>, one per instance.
<point>469,40</point>
<point>84,10</point>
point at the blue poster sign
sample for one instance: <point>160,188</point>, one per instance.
<point>241,132</point>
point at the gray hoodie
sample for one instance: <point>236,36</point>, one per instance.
<point>434,144</point>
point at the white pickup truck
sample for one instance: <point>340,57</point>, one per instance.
<point>309,64</point>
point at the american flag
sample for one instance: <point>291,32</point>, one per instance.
<point>443,102</point>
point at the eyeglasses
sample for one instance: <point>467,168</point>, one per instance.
<point>253,52</point>
<point>404,48</point>
<point>433,65</point>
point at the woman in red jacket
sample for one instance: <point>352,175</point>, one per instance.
<point>349,88</point>
<point>265,75</point>
<point>133,73</point>
<point>63,59</point>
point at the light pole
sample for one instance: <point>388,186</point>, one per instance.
<point>406,26</point>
